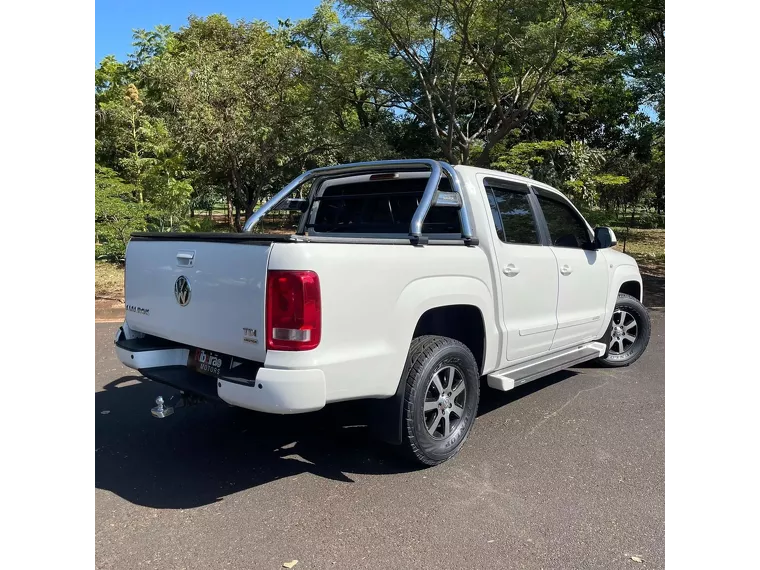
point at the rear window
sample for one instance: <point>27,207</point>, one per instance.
<point>381,207</point>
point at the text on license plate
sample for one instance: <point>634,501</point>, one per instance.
<point>206,361</point>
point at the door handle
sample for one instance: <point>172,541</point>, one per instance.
<point>185,258</point>
<point>511,270</point>
<point>566,270</point>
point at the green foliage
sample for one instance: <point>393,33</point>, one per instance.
<point>640,36</point>
<point>199,225</point>
<point>117,214</point>
<point>239,105</point>
<point>600,217</point>
<point>148,44</point>
<point>531,159</point>
<point>143,152</point>
<point>575,168</point>
<point>223,112</point>
<point>475,71</point>
<point>109,77</point>
<point>583,175</point>
<point>650,220</point>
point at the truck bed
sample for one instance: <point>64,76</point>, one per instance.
<point>267,239</point>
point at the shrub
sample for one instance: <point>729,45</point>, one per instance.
<point>117,214</point>
<point>598,218</point>
<point>650,221</point>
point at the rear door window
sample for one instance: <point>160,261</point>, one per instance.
<point>512,212</point>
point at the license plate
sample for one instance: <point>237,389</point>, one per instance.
<point>207,362</point>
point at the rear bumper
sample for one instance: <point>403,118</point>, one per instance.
<point>277,391</point>
<point>271,390</point>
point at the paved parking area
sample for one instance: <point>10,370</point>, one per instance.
<point>565,472</point>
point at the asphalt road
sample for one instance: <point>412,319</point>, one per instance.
<point>565,472</point>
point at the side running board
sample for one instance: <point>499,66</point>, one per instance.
<point>519,374</point>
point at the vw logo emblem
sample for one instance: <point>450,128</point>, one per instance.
<point>182,290</point>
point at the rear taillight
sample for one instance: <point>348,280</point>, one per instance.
<point>294,310</point>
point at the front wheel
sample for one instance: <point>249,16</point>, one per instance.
<point>440,399</point>
<point>629,331</point>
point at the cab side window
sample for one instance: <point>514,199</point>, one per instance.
<point>566,228</point>
<point>512,214</point>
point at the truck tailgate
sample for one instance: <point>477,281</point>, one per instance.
<point>202,293</point>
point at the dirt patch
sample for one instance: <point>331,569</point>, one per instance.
<point>108,310</point>
<point>109,281</point>
<point>109,291</point>
<point>647,247</point>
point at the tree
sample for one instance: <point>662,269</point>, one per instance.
<point>639,34</point>
<point>235,102</point>
<point>166,178</point>
<point>569,92</point>
<point>117,214</point>
<point>479,67</point>
<point>575,168</point>
<point>345,76</point>
<point>146,156</point>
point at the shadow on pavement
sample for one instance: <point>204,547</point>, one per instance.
<point>491,399</point>
<point>654,290</point>
<point>203,453</point>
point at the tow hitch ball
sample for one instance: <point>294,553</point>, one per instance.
<point>163,410</point>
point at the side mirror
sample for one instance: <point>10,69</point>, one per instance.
<point>604,237</point>
<point>293,205</point>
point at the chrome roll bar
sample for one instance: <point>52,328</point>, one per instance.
<point>415,230</point>
<point>464,218</point>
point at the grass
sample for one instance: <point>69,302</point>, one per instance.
<point>109,280</point>
<point>647,247</point>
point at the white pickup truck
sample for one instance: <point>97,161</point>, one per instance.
<point>405,284</point>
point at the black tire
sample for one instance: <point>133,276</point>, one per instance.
<point>620,351</point>
<point>428,356</point>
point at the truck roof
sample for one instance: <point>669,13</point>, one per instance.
<point>472,170</point>
<point>509,175</point>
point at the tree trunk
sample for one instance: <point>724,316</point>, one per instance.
<point>361,114</point>
<point>229,208</point>
<point>466,154</point>
<point>628,226</point>
<point>248,209</point>
<point>446,148</point>
<point>251,199</point>
<point>239,197</point>
<point>484,160</point>
<point>238,227</point>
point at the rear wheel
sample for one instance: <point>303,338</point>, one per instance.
<point>628,334</point>
<point>440,400</point>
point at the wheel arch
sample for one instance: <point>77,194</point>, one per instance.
<point>426,305</point>
<point>632,288</point>
<point>461,322</point>
<point>623,275</point>
<point>435,305</point>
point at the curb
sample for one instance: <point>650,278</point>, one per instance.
<point>109,315</point>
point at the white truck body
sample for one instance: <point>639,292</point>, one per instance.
<point>541,307</point>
